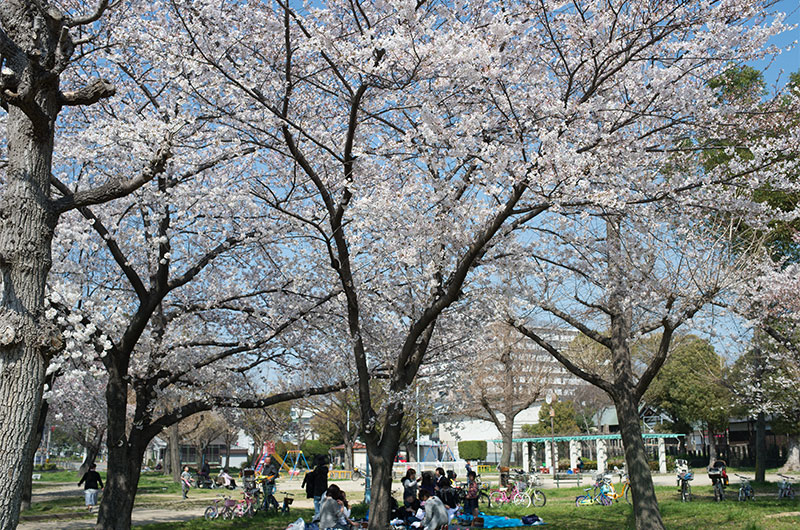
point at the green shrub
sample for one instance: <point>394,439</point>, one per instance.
<point>312,448</point>
<point>472,449</point>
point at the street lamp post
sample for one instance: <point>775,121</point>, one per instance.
<point>550,399</point>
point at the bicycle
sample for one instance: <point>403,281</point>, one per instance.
<point>215,511</point>
<point>612,491</point>
<point>535,496</point>
<point>745,489</point>
<point>512,494</point>
<point>685,487</point>
<point>717,483</point>
<point>785,489</point>
<point>287,501</point>
<point>599,494</point>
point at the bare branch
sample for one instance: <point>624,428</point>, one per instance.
<point>102,5</point>
<point>569,365</point>
<point>88,95</point>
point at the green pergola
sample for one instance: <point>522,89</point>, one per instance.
<point>589,437</point>
<point>599,440</point>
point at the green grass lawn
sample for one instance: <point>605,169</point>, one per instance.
<point>561,512</point>
<point>61,476</point>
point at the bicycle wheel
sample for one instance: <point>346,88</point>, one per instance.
<point>742,494</point>
<point>521,499</point>
<point>498,497</point>
<point>581,500</point>
<point>604,500</point>
<point>355,475</point>
<point>538,498</point>
<point>211,513</point>
<point>628,494</point>
<point>483,498</point>
<point>227,513</point>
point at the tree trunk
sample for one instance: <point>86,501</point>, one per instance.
<point>124,468</point>
<point>380,464</point>
<point>91,455</point>
<point>348,453</point>
<point>228,454</point>
<point>174,452</point>
<point>125,456</point>
<point>792,455</point>
<point>645,505</point>
<point>761,447</point>
<point>508,444</point>
<point>712,446</point>
<point>27,474</point>
<point>26,230</point>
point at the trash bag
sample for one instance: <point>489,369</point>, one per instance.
<point>297,525</point>
<point>531,519</point>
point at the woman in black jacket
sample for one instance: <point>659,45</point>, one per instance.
<point>320,481</point>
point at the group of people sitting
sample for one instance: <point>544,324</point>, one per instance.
<point>430,501</point>
<point>334,511</point>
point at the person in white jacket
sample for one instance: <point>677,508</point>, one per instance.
<point>435,513</point>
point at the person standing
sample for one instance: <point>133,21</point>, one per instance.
<point>410,485</point>
<point>320,481</point>
<point>308,485</point>
<point>471,502</point>
<point>93,485</point>
<point>270,474</point>
<point>186,482</point>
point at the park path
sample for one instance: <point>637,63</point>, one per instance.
<point>140,516</point>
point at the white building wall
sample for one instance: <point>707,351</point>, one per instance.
<point>452,432</point>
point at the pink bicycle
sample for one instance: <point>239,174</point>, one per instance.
<point>511,494</point>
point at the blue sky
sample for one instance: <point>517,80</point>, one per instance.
<point>788,61</point>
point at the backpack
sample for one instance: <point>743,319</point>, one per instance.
<point>530,519</point>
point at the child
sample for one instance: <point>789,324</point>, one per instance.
<point>471,502</point>
<point>186,482</point>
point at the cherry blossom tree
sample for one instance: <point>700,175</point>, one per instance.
<point>765,378</point>
<point>422,138</point>
<point>39,44</point>
<point>189,294</point>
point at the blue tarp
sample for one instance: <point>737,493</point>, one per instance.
<point>494,521</point>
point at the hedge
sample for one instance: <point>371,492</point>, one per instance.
<point>472,449</point>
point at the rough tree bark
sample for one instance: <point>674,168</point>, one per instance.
<point>36,46</point>
<point>174,452</point>
<point>792,455</point>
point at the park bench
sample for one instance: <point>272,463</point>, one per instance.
<point>37,476</point>
<point>567,477</point>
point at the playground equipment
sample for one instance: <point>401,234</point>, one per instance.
<point>294,457</point>
<point>290,462</point>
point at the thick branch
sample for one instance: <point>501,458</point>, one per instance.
<point>199,406</point>
<point>89,94</point>
<point>117,188</point>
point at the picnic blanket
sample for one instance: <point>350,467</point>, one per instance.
<point>497,521</point>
